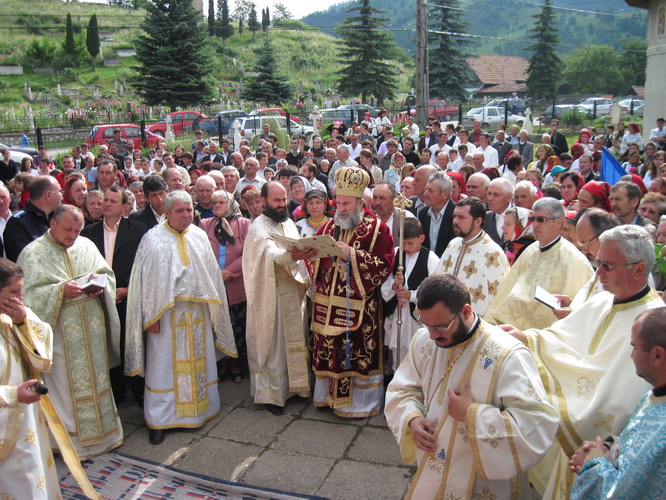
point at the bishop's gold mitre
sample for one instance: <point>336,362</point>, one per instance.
<point>351,181</point>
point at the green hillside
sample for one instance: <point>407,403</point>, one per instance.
<point>511,20</point>
<point>307,57</point>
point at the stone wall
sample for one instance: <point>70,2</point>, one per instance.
<point>11,70</point>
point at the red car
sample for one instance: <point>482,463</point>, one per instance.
<point>272,112</point>
<point>101,134</point>
<point>180,121</point>
<point>439,109</point>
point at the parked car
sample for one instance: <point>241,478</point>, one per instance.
<point>18,156</point>
<point>561,109</point>
<point>490,116</point>
<point>252,125</point>
<point>517,106</point>
<point>626,106</point>
<point>604,105</point>
<point>181,121</point>
<point>272,112</point>
<point>438,109</point>
<point>360,108</point>
<point>29,151</point>
<point>331,115</point>
<point>101,134</point>
<point>209,125</point>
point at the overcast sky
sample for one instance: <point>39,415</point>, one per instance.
<point>298,8</point>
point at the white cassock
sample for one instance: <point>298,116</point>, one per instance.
<point>409,324</point>
<point>176,281</point>
<point>585,364</point>
<point>479,263</point>
<point>508,428</point>
<point>560,269</point>
<point>27,469</point>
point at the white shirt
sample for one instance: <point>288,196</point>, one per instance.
<point>491,157</point>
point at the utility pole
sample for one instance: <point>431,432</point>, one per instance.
<point>422,81</point>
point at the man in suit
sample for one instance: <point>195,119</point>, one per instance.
<point>155,189</point>
<point>625,197</point>
<point>524,147</point>
<point>383,197</point>
<point>421,176</point>
<point>214,155</point>
<point>557,139</point>
<point>502,146</point>
<point>500,195</point>
<point>437,216</point>
<point>117,239</point>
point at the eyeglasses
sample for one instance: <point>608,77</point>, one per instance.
<point>438,329</point>
<point>541,219</point>
<point>583,244</point>
<point>609,267</point>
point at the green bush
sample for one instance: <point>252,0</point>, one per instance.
<point>573,118</point>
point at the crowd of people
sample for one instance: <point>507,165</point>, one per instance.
<point>487,292</point>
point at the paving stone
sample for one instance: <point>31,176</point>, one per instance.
<point>378,421</point>
<point>327,415</point>
<point>362,481</point>
<point>376,446</point>
<point>130,412</point>
<point>137,444</point>
<point>218,458</point>
<point>233,394</point>
<point>289,472</point>
<point>316,438</point>
<point>208,426</point>
<point>256,427</point>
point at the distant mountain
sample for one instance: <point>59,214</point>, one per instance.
<point>511,21</point>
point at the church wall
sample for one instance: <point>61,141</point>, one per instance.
<point>655,84</point>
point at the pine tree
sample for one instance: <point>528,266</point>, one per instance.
<point>252,23</point>
<point>267,86</point>
<point>545,68</point>
<point>268,19</point>
<point>168,32</point>
<point>240,26</point>
<point>263,19</point>
<point>365,70</point>
<point>224,27</point>
<point>211,17</point>
<point>448,70</point>
<point>92,40</point>
<point>70,45</point>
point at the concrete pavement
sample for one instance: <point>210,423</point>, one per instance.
<point>306,450</point>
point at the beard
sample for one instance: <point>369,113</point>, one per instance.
<point>350,222</point>
<point>462,332</point>
<point>276,214</point>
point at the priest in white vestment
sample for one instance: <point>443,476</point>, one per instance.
<point>176,295</point>
<point>86,330</point>
<point>467,404</point>
<point>584,359</point>
<point>276,281</point>
<point>552,263</point>
<point>473,256</point>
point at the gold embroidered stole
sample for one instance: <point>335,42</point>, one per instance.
<point>451,470</point>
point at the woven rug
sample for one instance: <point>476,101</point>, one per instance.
<point>117,476</point>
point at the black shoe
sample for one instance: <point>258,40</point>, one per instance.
<point>156,436</point>
<point>275,410</point>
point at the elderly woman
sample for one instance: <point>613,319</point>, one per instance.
<point>76,190</point>
<point>595,194</point>
<point>313,213</point>
<point>633,135</point>
<point>517,233</point>
<point>93,207</point>
<point>299,186</point>
<point>459,186</point>
<point>226,231</point>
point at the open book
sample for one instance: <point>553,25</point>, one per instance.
<point>91,283</point>
<point>546,298</point>
<point>324,244</point>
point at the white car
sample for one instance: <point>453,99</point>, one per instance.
<point>604,105</point>
<point>492,115</point>
<point>252,125</point>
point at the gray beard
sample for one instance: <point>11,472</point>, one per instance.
<point>350,222</point>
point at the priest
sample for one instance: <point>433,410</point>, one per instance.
<point>467,404</point>
<point>473,256</point>
<point>86,330</point>
<point>347,320</point>
<point>553,264</point>
<point>177,296</point>
<point>584,359</point>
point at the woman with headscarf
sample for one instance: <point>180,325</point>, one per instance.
<point>571,183</point>
<point>315,210</point>
<point>584,137</point>
<point>299,186</point>
<point>367,162</point>
<point>633,136</point>
<point>76,190</point>
<point>318,149</point>
<point>459,186</point>
<point>595,194</point>
<point>517,233</point>
<point>392,175</point>
<point>226,231</point>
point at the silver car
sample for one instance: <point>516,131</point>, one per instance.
<point>490,116</point>
<point>253,125</point>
